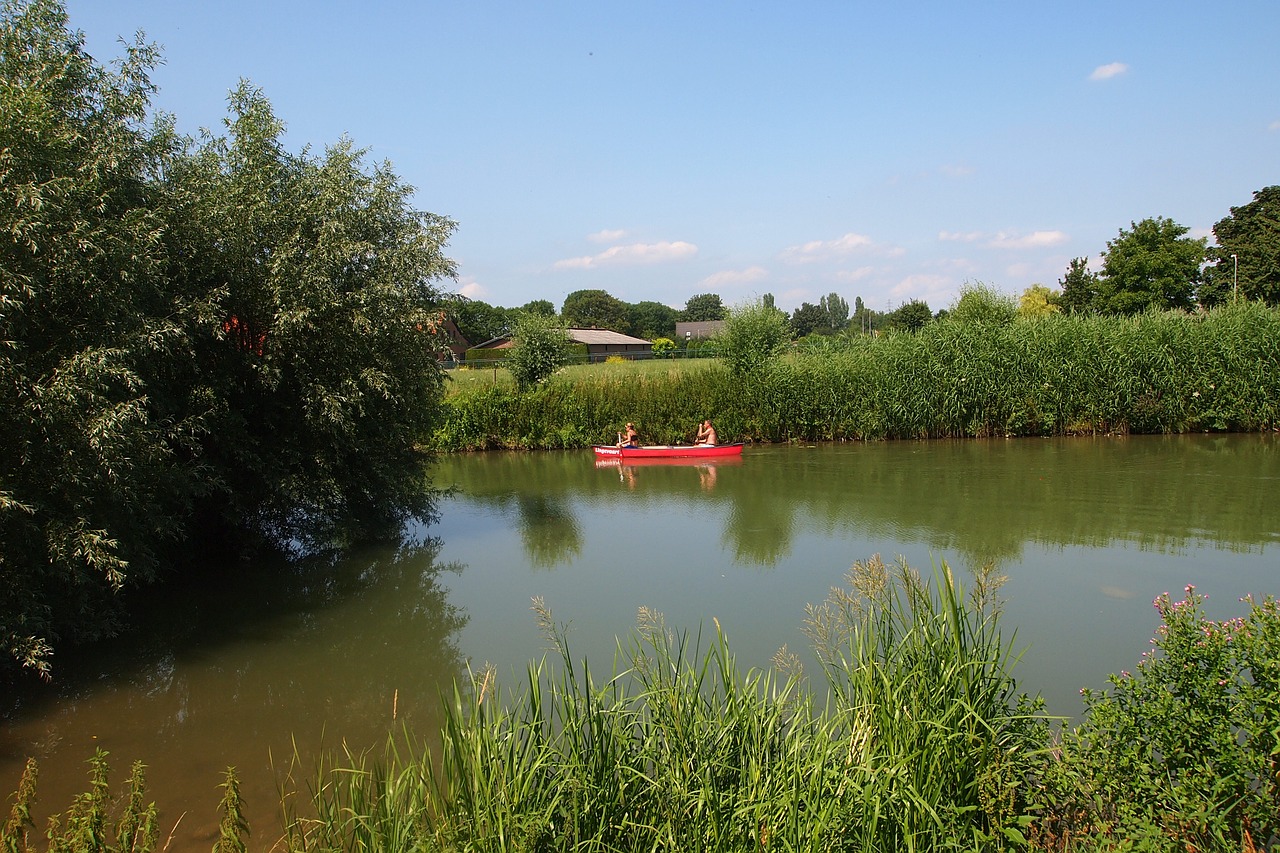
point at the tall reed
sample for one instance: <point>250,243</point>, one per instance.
<point>917,742</point>
<point>1055,375</point>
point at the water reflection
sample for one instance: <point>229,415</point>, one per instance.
<point>240,667</point>
<point>985,501</point>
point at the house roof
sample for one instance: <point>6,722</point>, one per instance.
<point>590,337</point>
<point>602,336</point>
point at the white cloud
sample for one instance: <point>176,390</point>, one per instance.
<point>634,254</point>
<point>819,250</point>
<point>724,277</point>
<point>607,236</point>
<point>960,236</point>
<point>1106,72</point>
<point>937,290</point>
<point>850,276</point>
<point>472,289</point>
<point>1034,240</point>
<point>956,171</point>
<point>1275,125</point>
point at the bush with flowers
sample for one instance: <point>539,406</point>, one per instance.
<point>1184,753</point>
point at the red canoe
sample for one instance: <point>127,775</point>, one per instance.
<point>668,451</point>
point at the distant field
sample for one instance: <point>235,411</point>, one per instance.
<point>465,378</point>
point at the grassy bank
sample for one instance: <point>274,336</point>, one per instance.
<point>1058,375</point>
<point>910,735</point>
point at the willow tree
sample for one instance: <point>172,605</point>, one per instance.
<point>87,481</point>
<point>194,334</point>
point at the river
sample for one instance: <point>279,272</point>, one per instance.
<point>261,662</point>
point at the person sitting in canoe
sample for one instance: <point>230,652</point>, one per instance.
<point>706,434</point>
<point>629,438</point>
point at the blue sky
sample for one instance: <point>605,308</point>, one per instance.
<point>891,151</point>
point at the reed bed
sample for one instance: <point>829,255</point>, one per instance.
<point>916,744</point>
<point>1057,375</point>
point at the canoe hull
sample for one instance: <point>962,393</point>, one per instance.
<point>663,451</point>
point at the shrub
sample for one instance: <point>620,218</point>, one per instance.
<point>539,348</point>
<point>753,335</point>
<point>1183,753</point>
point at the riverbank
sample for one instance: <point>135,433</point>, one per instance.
<point>924,742</point>
<point>1057,375</point>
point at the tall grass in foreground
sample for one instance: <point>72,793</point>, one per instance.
<point>918,743</point>
<point>1056,375</point>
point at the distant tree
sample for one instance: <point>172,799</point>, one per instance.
<point>479,321</point>
<point>1252,234</point>
<point>703,307</point>
<point>539,347</point>
<point>767,300</point>
<point>753,335</point>
<point>594,309</point>
<point>836,310</point>
<point>863,318</point>
<point>663,347</point>
<point>1079,288</point>
<point>981,304</point>
<point>1038,301</point>
<point>807,319</point>
<point>651,320</point>
<point>911,317</point>
<point>539,306</point>
<point>1152,265</point>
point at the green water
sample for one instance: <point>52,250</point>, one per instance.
<point>1087,531</point>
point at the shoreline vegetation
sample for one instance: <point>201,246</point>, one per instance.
<point>1168,372</point>
<point>910,733</point>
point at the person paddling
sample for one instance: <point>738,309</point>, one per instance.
<point>706,434</point>
<point>629,438</point>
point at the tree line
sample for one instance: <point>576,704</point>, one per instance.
<point>1153,264</point>
<point>204,341</point>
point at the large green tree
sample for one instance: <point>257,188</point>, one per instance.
<point>1079,288</point>
<point>194,336</point>
<point>594,309</point>
<point>479,321</point>
<point>1151,265</point>
<point>1247,254</point>
<point>651,320</point>
<point>836,309</point>
<point>911,316</point>
<point>321,374</point>
<point>703,307</point>
<point>808,319</point>
<point>88,484</point>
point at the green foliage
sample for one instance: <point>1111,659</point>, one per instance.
<point>1037,301</point>
<point>1152,265</point>
<point>539,306</point>
<point>1248,252</point>
<point>911,317</point>
<point>196,338</point>
<point>651,320</point>
<point>1079,288</point>
<point>808,319</point>
<point>753,335</point>
<point>980,304</point>
<point>233,826</point>
<point>663,347</point>
<point>539,348</point>
<point>89,484</point>
<point>479,321</point>
<point>95,823</point>
<point>703,307</point>
<point>836,312</point>
<point>594,309</point>
<point>1055,375</point>
<point>1182,753</point>
<point>918,748</point>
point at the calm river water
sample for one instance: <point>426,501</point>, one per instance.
<point>1088,531</point>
